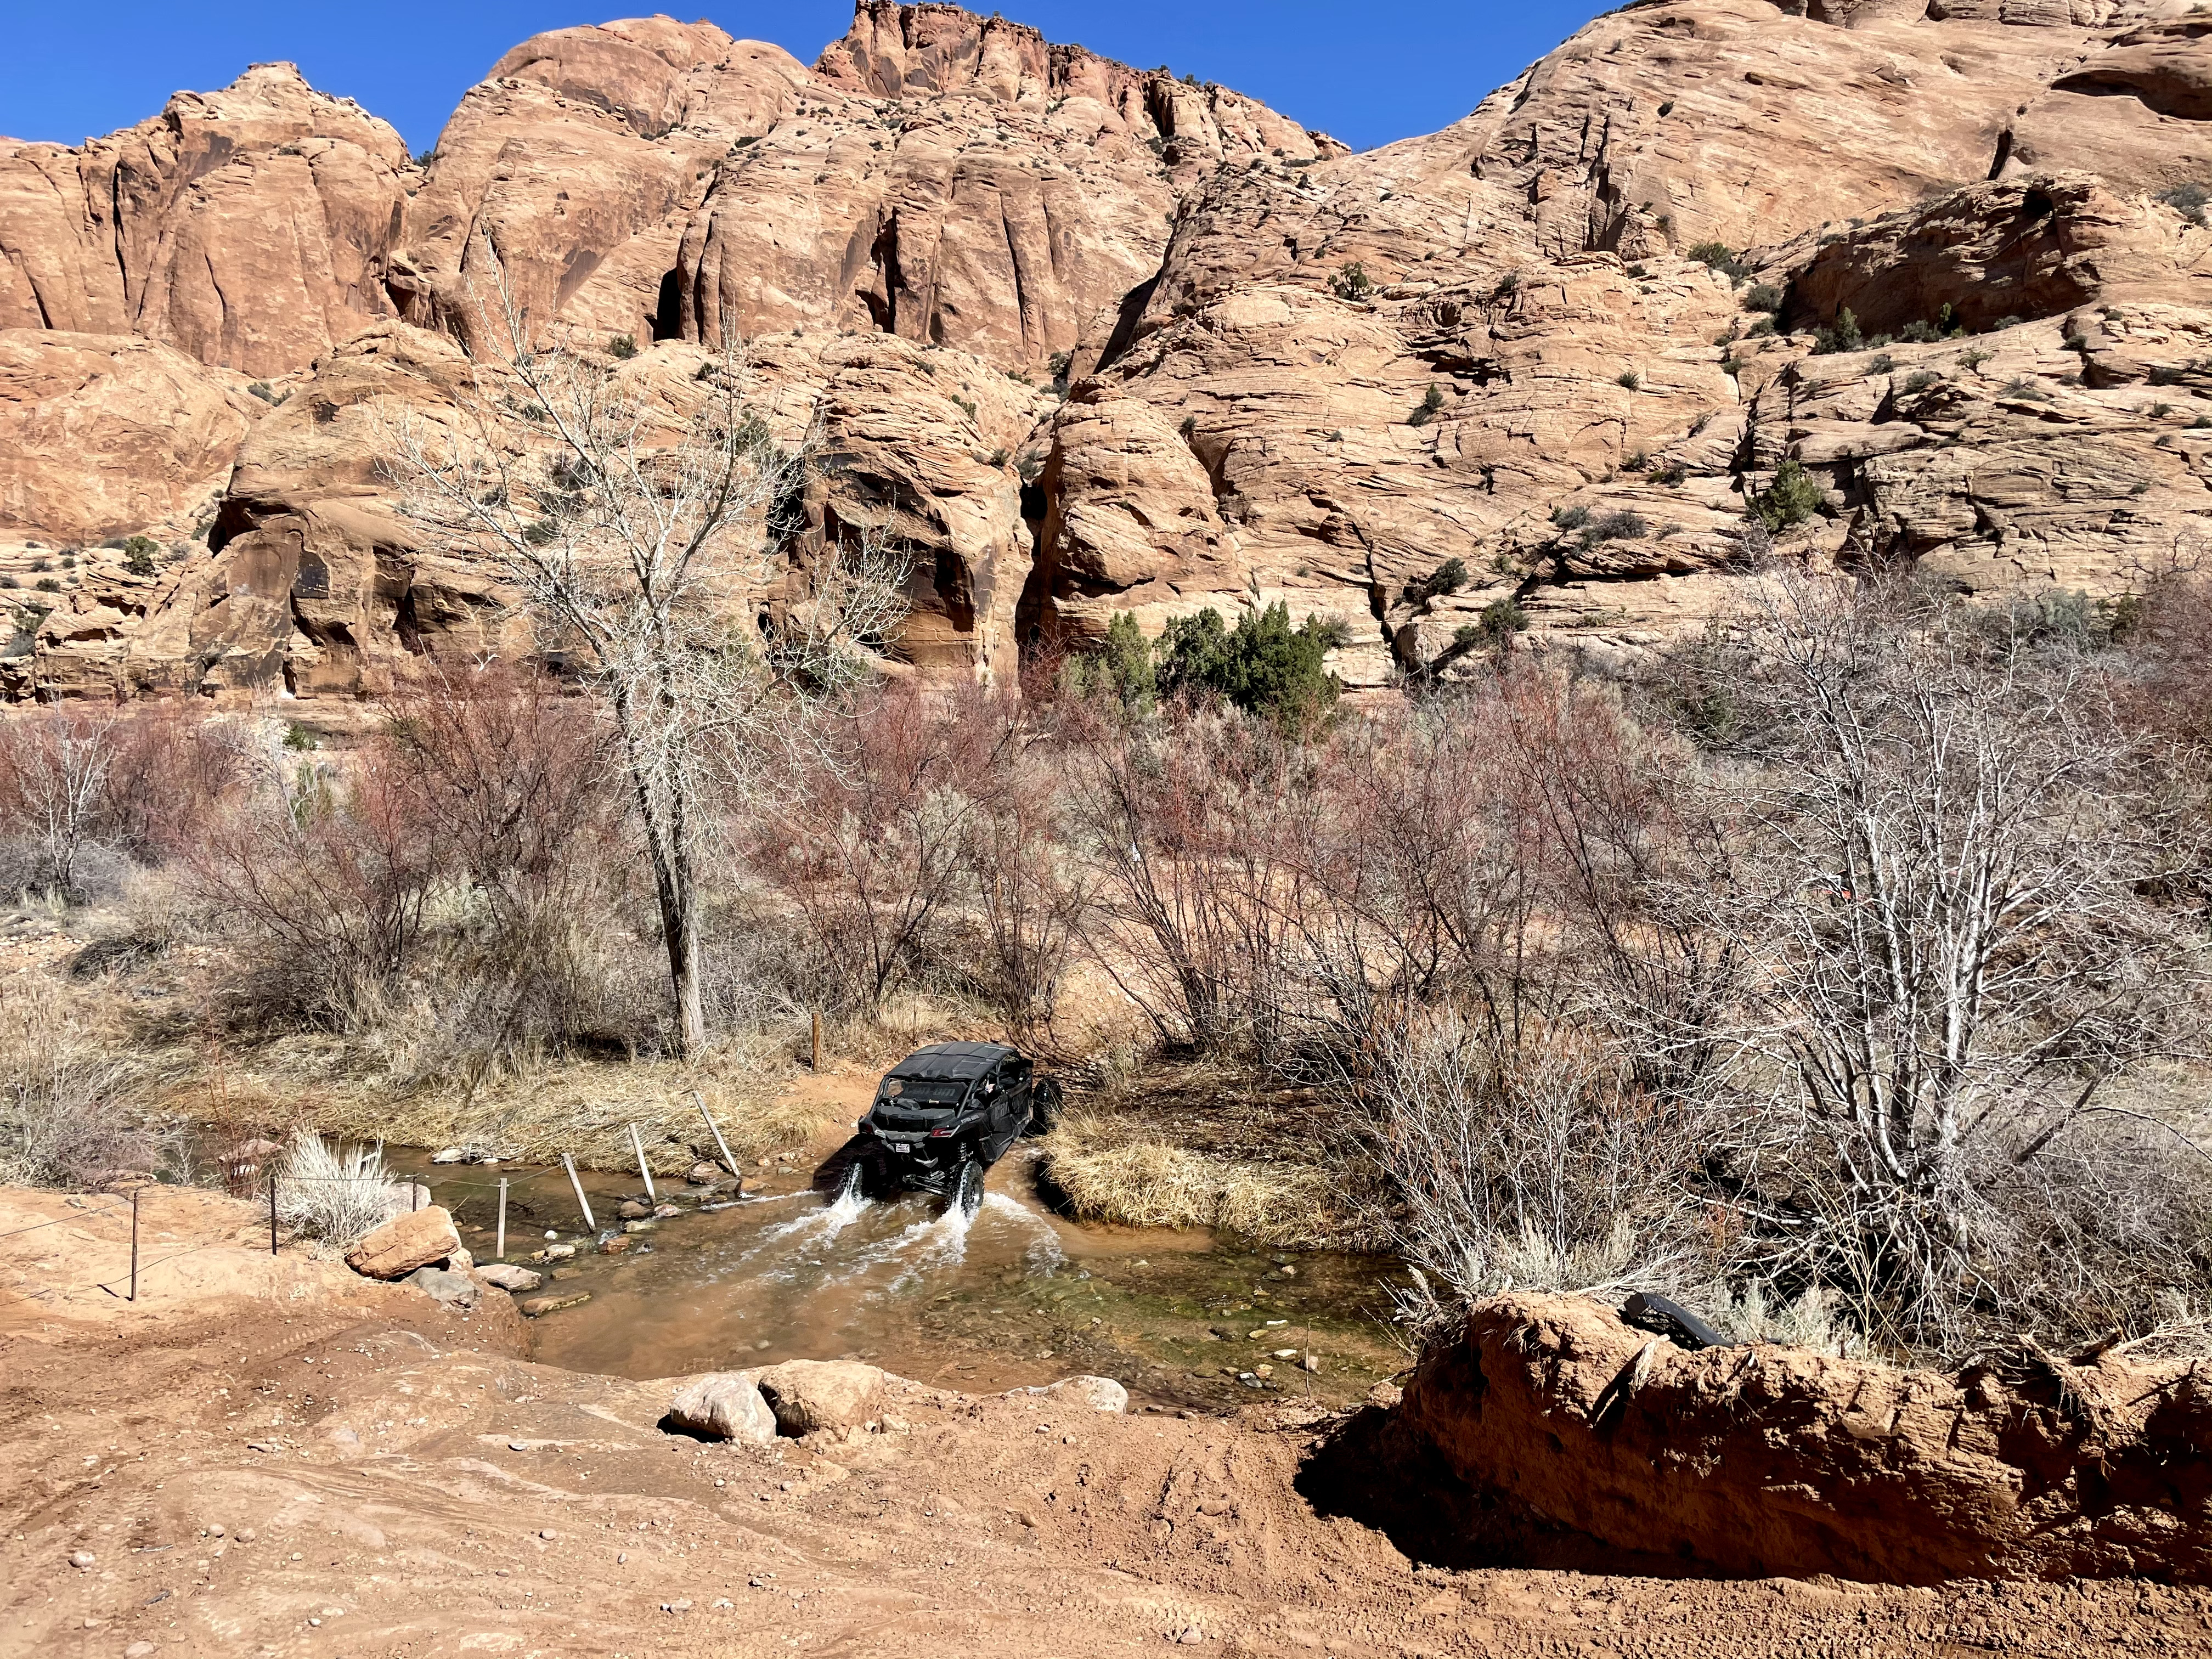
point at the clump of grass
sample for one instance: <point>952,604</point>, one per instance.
<point>340,1197</point>
<point>1142,1183</point>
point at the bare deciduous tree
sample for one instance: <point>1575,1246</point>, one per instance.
<point>1948,958</point>
<point>53,780</point>
<point>639,532</point>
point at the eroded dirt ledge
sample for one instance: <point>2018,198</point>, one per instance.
<point>1762,1461</point>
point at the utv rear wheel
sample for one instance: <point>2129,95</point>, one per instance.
<point>968,1187</point>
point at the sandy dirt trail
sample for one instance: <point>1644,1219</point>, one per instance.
<point>389,1479</point>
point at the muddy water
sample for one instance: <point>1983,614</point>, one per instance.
<point>1015,1295</point>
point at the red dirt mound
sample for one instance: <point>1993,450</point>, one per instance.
<point>1762,1461</point>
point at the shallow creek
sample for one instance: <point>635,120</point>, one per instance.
<point>1016,1295</point>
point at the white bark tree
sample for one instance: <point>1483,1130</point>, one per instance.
<point>53,769</point>
<point>640,537</point>
<point>1948,958</point>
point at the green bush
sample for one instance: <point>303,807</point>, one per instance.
<point>1762,296</point>
<point>1921,379</point>
<point>1447,578</point>
<point>48,585</point>
<point>2188,200</point>
<point>1499,621</point>
<point>1352,283</point>
<point>138,555</point>
<point>1430,402</point>
<point>1719,256</point>
<point>1630,380</point>
<point>1264,666</point>
<point>1791,498</point>
<point>623,346</point>
<point>1123,668</point>
<point>1842,334</point>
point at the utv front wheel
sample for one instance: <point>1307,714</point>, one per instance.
<point>968,1187</point>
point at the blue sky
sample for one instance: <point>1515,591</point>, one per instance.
<point>1368,72</point>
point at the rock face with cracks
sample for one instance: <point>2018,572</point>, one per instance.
<point>1086,339</point>
<point>1762,1461</point>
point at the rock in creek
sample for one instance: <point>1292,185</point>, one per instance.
<point>538,1306</point>
<point>504,1276</point>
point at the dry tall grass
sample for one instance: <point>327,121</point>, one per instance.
<point>1108,1175</point>
<point>71,1113</point>
<point>582,1107</point>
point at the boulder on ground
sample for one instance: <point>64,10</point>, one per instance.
<point>634,1209</point>
<point>806,1395</point>
<point>706,1175</point>
<point>419,1238</point>
<point>538,1306</point>
<point>453,1290</point>
<point>1098,1394</point>
<point>723,1405</point>
<point>506,1276</point>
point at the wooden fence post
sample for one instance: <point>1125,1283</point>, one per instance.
<point>638,1146</point>
<point>728,1162</point>
<point>582,1203</point>
<point>134,1243</point>
<point>500,1252</point>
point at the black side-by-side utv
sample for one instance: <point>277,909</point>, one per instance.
<point>944,1115</point>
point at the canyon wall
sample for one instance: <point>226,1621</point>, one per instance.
<point>1086,339</point>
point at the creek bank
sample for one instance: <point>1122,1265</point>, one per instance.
<point>1760,1461</point>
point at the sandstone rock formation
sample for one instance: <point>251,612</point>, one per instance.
<point>807,1394</point>
<point>1086,338</point>
<point>101,433</point>
<point>723,1405</point>
<point>419,1238</point>
<point>1762,1461</point>
<point>247,227</point>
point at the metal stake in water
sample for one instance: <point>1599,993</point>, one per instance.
<point>638,1146</point>
<point>501,1250</point>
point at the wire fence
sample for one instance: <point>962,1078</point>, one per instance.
<point>244,1180</point>
<point>248,1176</point>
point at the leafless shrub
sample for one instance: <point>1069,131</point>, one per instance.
<point>1540,1167</point>
<point>53,777</point>
<point>69,1112</point>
